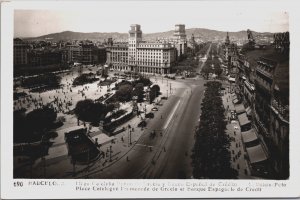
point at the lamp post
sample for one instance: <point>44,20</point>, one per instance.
<point>44,166</point>
<point>110,151</point>
<point>129,137</point>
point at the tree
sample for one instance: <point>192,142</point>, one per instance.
<point>83,109</point>
<point>40,119</point>
<point>49,79</point>
<point>154,92</point>
<point>211,156</point>
<point>84,79</point>
<point>144,81</point>
<point>139,91</point>
<point>90,111</point>
<point>218,70</point>
<point>19,126</point>
<point>32,126</point>
<point>205,70</point>
<point>124,93</point>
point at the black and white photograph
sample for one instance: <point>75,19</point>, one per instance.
<point>150,90</point>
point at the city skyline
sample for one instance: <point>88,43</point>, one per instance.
<point>42,21</point>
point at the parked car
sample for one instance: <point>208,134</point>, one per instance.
<point>154,109</point>
<point>142,124</point>
<point>149,115</point>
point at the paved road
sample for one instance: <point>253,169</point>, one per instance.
<point>167,155</point>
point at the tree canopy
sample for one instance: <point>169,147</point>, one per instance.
<point>211,156</point>
<point>90,111</point>
<point>33,125</point>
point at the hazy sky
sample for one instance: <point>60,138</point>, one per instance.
<point>154,16</point>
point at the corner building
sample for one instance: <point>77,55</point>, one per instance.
<point>143,56</point>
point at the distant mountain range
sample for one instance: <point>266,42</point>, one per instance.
<point>201,33</point>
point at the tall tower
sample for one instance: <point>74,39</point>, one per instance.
<point>135,37</point>
<point>179,32</point>
<point>227,41</point>
<point>180,37</point>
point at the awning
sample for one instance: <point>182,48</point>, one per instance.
<point>243,119</point>
<point>248,111</point>
<point>256,154</point>
<point>239,108</point>
<point>249,136</point>
<point>235,101</point>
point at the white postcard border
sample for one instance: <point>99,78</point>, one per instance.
<point>61,188</point>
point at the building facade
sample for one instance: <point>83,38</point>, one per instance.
<point>272,110</point>
<point>43,58</point>
<point>117,56</point>
<point>263,80</point>
<point>85,53</point>
<point>20,52</point>
<point>141,56</point>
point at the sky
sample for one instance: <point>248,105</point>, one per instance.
<point>154,16</point>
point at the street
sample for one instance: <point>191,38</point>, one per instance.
<point>166,155</point>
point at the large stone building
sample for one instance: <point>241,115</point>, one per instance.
<point>37,58</point>
<point>85,53</point>
<point>272,109</point>
<point>263,84</point>
<point>20,52</point>
<point>141,56</point>
<point>117,56</point>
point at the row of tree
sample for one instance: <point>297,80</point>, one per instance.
<point>212,65</point>
<point>211,155</point>
<point>126,92</point>
<point>85,78</point>
<point>49,80</point>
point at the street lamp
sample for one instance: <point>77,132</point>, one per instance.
<point>110,151</point>
<point>129,137</point>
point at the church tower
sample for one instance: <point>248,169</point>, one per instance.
<point>227,41</point>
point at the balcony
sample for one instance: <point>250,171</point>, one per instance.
<point>261,125</point>
<point>264,86</point>
<point>265,73</point>
<point>282,111</point>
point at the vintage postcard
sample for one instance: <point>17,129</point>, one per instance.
<point>149,99</point>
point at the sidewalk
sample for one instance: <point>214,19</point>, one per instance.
<point>236,145</point>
